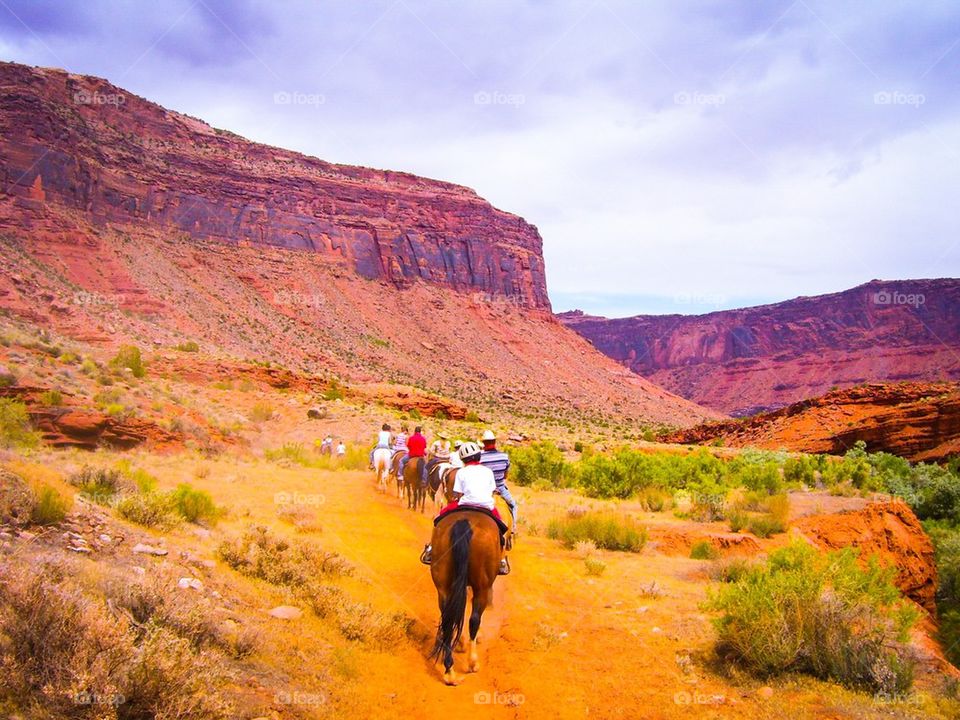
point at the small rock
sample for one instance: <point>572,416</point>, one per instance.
<point>192,583</point>
<point>78,549</point>
<point>655,630</point>
<point>286,612</point>
<point>137,570</point>
<point>765,693</point>
<point>148,549</point>
<point>106,539</point>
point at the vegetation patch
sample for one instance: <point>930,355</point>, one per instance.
<point>606,530</point>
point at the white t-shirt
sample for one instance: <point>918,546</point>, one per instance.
<point>476,485</point>
<point>383,439</point>
<point>455,460</point>
<point>341,449</point>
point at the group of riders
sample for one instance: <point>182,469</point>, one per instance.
<point>481,472</point>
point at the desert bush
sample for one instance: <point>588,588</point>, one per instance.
<point>704,550</point>
<point>100,485</point>
<point>594,566</point>
<point>15,428</point>
<point>820,614</point>
<point>708,500</point>
<point>356,620</point>
<point>653,499</point>
<point>194,505</point>
<point>540,461</point>
<point>471,417</point>
<point>67,656</point>
<point>291,452</point>
<point>52,398</point>
<point>606,530</point>
<point>152,509</point>
<point>946,541</point>
<point>261,412</point>
<point>730,569</point>
<point>335,392</point>
<point>301,518</point>
<point>16,499</point>
<point>50,506</point>
<point>129,358</point>
<point>260,554</point>
<point>188,346</point>
<point>763,526</point>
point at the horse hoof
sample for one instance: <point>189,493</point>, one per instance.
<point>474,666</point>
<point>451,678</point>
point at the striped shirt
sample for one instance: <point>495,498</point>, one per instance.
<point>497,461</point>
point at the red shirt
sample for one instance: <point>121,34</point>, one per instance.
<point>417,445</point>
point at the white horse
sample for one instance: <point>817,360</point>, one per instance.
<point>381,463</point>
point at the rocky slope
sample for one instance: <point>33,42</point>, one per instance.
<point>918,421</point>
<point>120,220</point>
<point>761,358</point>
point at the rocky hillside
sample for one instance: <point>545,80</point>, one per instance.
<point>120,221</point>
<point>918,421</point>
<point>761,358</point>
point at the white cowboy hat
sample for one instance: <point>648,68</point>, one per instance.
<point>488,435</point>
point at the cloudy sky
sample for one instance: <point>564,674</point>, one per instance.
<point>677,156</point>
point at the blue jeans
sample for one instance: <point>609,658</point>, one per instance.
<point>423,467</point>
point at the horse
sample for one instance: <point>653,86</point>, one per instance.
<point>466,553</point>
<point>440,480</point>
<point>412,484</point>
<point>381,463</point>
<point>395,470</point>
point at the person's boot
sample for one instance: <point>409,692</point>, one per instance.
<point>504,566</point>
<point>426,557</point>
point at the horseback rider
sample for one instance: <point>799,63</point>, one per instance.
<point>499,462</point>
<point>400,439</point>
<point>474,486</point>
<point>439,452</point>
<point>455,460</point>
<point>416,448</point>
<point>384,439</point>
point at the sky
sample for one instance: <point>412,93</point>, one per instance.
<point>676,155</point>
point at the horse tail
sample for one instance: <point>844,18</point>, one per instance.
<point>452,612</point>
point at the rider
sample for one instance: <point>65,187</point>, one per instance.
<point>473,486</point>
<point>455,460</point>
<point>439,452</point>
<point>384,438</point>
<point>499,462</point>
<point>400,439</point>
<point>416,448</point>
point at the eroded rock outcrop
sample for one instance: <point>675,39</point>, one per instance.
<point>761,358</point>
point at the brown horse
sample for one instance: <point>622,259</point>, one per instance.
<point>413,486</point>
<point>466,553</point>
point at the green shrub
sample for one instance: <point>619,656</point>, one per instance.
<point>763,526</point>
<point>471,417</point>
<point>594,566</point>
<point>738,519</point>
<point>260,554</point>
<point>606,530</point>
<point>51,398</point>
<point>946,541</point>
<point>97,484</point>
<point>154,510</point>
<point>540,461</point>
<point>820,614</point>
<point>261,412</point>
<point>189,346</point>
<point>50,507</point>
<point>128,358</point>
<point>704,550</point>
<point>653,499</point>
<point>7,378</point>
<point>15,427</point>
<point>335,392</point>
<point>194,505</point>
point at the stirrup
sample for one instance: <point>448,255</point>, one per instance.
<point>504,566</point>
<point>426,557</point>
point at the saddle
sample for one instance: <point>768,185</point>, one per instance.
<point>501,525</point>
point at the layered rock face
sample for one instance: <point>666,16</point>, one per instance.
<point>761,358</point>
<point>918,421</point>
<point>82,143</point>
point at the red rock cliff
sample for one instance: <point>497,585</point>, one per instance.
<point>759,358</point>
<point>82,143</point>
